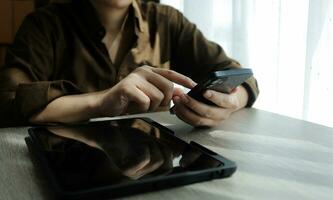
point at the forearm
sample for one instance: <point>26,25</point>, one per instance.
<point>146,88</point>
<point>71,108</point>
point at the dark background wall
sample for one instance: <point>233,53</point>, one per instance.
<point>12,14</point>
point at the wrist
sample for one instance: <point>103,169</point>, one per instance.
<point>95,104</point>
<point>106,103</point>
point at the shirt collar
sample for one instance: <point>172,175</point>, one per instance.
<point>138,15</point>
<point>87,15</point>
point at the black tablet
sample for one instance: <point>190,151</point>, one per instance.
<point>109,159</point>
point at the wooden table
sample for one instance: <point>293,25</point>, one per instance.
<point>277,157</point>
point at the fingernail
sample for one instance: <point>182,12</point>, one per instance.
<point>193,83</point>
<point>185,98</point>
<point>235,90</point>
<point>176,99</point>
<point>208,94</point>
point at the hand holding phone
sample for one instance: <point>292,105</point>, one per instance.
<point>222,81</point>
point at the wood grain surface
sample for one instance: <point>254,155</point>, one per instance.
<point>277,158</point>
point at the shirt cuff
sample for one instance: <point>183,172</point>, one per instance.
<point>33,97</point>
<point>251,87</point>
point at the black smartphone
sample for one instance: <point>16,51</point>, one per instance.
<point>222,81</point>
<point>114,158</point>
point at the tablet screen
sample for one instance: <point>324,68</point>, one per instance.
<point>112,152</point>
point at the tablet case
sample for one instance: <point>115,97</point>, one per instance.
<point>138,186</point>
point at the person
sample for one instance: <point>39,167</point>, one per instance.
<point>84,59</point>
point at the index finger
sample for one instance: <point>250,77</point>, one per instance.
<point>175,77</point>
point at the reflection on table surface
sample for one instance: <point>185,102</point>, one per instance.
<point>117,151</point>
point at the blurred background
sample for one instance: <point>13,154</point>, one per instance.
<point>12,14</point>
<point>287,43</point>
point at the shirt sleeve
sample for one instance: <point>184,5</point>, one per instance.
<point>195,56</point>
<point>25,88</point>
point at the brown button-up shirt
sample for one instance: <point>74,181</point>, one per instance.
<point>58,51</point>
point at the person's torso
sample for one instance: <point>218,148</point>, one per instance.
<point>81,57</point>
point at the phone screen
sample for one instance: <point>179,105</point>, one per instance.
<point>113,152</point>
